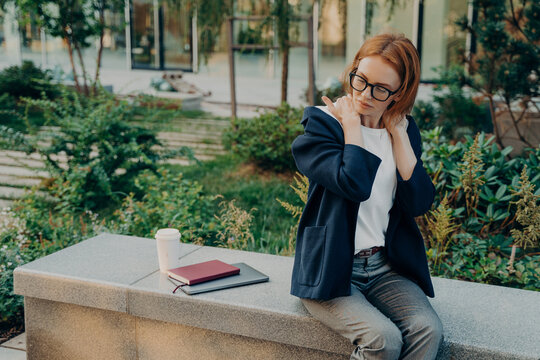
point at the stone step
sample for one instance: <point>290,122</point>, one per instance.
<point>22,172</point>
<point>8,192</point>
<point>210,130</point>
<point>198,122</point>
<point>187,136</point>
<point>188,162</point>
<point>5,204</point>
<point>204,148</point>
<point>18,181</point>
<point>33,156</point>
<point>21,162</point>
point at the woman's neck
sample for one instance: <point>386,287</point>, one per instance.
<point>372,122</point>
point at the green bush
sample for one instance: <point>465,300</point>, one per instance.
<point>266,140</point>
<point>164,199</point>
<point>27,80</point>
<point>28,231</point>
<point>444,162</point>
<point>94,153</point>
<point>480,260</point>
<point>470,234</point>
<point>332,89</point>
<point>452,108</point>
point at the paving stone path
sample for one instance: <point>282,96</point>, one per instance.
<point>19,171</point>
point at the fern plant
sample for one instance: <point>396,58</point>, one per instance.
<point>527,215</point>
<point>441,224</point>
<point>301,189</point>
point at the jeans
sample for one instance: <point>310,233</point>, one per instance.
<point>387,316</point>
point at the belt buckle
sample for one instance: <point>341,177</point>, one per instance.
<point>364,253</point>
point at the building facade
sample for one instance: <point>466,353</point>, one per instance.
<point>160,35</point>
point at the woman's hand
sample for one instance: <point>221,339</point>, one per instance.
<point>396,127</point>
<point>343,110</point>
<point>348,117</point>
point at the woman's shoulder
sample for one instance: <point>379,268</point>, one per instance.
<point>319,113</point>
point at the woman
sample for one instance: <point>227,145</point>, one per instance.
<point>360,264</point>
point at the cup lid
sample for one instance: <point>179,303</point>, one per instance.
<point>167,233</point>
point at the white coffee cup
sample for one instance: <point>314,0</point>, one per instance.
<point>168,248</point>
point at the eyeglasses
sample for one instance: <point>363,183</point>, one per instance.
<point>378,92</point>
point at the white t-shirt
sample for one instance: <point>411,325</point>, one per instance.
<point>374,213</point>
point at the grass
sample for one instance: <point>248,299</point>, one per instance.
<point>234,178</point>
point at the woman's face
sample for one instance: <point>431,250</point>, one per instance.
<point>377,71</point>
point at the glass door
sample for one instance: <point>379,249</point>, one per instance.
<point>176,36</point>
<point>160,35</point>
<point>143,42</point>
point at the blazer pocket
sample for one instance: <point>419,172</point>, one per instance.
<point>312,255</point>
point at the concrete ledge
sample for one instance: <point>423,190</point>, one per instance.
<point>114,279</point>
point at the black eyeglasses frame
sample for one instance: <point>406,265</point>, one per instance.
<point>353,73</point>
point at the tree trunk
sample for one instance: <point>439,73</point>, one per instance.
<point>70,52</point>
<point>494,121</point>
<point>515,122</point>
<point>100,49</point>
<point>78,49</point>
<point>284,74</point>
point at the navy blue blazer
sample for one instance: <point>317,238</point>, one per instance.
<point>340,178</point>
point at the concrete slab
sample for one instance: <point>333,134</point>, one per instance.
<point>480,316</point>
<point>19,171</point>
<point>16,180</point>
<point>113,272</point>
<point>57,330</point>
<point>17,343</point>
<point>240,310</point>
<point>95,272</point>
<point>11,192</point>
<point>161,340</point>
<point>200,143</point>
<point>22,162</point>
<point>189,136</point>
<point>10,354</point>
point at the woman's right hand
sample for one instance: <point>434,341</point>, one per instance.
<point>343,110</point>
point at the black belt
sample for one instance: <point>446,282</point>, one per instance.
<point>368,252</point>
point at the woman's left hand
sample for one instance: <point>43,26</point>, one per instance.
<point>395,127</point>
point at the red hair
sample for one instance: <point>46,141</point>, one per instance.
<point>401,54</point>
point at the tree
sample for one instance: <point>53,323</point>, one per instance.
<point>284,15</point>
<point>212,13</point>
<point>507,62</point>
<point>75,21</point>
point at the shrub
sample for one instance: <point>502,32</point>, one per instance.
<point>30,230</point>
<point>27,80</point>
<point>162,200</point>
<point>452,170</point>
<point>480,260</point>
<point>333,88</point>
<point>266,140</point>
<point>453,109</point>
<point>476,188</point>
<point>235,227</point>
<point>94,153</point>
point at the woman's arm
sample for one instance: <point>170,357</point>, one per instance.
<point>415,191</point>
<point>403,151</point>
<point>347,170</point>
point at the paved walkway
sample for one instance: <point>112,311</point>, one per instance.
<point>14,349</point>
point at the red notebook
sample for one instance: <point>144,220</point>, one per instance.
<point>204,271</point>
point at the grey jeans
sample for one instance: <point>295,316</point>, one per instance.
<point>387,316</point>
